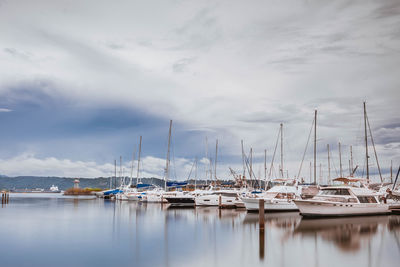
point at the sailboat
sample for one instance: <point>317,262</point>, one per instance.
<point>280,197</point>
<point>158,194</point>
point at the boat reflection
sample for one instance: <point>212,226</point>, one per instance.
<point>348,234</point>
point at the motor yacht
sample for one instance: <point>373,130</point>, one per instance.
<point>342,201</point>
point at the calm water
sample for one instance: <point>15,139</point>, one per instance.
<point>64,232</point>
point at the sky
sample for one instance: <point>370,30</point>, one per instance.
<point>82,80</point>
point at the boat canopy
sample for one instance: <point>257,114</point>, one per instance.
<point>113,192</point>
<point>143,185</point>
<point>176,184</point>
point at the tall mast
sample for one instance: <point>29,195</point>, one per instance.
<point>243,160</point>
<point>168,152</point>
<point>138,163</point>
<point>329,165</point>
<point>391,171</point>
<point>310,172</point>
<point>351,160</point>
<point>215,164</point>
<point>265,166</point>
<point>315,147</point>
<point>195,175</point>
<point>115,172</point>
<point>282,150</point>
<point>207,165</point>
<point>120,170</point>
<point>133,161</point>
<point>251,163</point>
<point>366,141</point>
<point>340,159</point>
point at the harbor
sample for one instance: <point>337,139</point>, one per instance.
<point>100,232</point>
<point>217,133</point>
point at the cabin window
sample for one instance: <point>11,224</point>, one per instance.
<point>367,199</point>
<point>337,192</point>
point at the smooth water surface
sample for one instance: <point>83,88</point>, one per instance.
<point>48,230</point>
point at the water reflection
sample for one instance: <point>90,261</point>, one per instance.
<point>348,234</point>
<point>140,234</point>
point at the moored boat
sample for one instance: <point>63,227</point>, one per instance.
<point>342,201</point>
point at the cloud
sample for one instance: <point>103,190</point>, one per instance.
<point>85,86</point>
<point>5,110</point>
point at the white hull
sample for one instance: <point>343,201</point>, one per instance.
<point>213,200</point>
<point>134,197</point>
<point>252,204</point>
<point>121,196</point>
<point>313,208</point>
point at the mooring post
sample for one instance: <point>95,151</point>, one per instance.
<point>261,213</point>
<point>220,201</point>
<point>8,197</point>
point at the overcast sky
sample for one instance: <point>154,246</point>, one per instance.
<point>82,80</point>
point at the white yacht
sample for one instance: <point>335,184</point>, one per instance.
<point>342,201</point>
<point>223,198</point>
<point>278,198</point>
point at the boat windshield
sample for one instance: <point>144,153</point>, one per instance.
<point>367,199</point>
<point>335,192</point>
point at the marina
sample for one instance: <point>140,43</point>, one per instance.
<point>100,232</point>
<point>190,133</point>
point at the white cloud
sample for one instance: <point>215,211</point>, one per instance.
<point>231,68</point>
<point>5,110</point>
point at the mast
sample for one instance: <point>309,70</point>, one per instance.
<point>351,161</point>
<point>195,175</point>
<point>215,164</point>
<point>138,163</point>
<point>120,170</point>
<point>282,150</point>
<point>251,163</point>
<point>391,171</point>
<point>243,160</point>
<point>265,168</point>
<point>310,172</point>
<point>340,159</point>
<point>329,165</point>
<point>168,152</point>
<point>133,161</point>
<point>373,146</point>
<point>366,141</point>
<point>315,147</point>
<point>206,167</point>
<point>115,172</point>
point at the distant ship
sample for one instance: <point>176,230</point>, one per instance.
<point>53,189</point>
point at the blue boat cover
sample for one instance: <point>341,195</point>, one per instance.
<point>143,185</point>
<point>112,191</point>
<point>170,184</point>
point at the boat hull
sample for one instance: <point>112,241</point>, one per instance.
<point>213,200</point>
<point>181,201</point>
<point>312,208</point>
<point>252,205</point>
